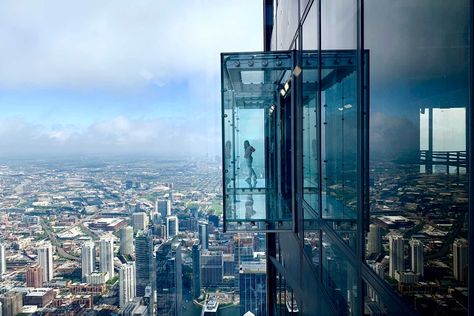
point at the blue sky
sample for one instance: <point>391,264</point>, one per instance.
<point>117,76</point>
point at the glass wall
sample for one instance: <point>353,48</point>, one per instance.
<point>386,234</point>
<point>419,189</point>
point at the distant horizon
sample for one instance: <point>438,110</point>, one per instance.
<point>117,79</point>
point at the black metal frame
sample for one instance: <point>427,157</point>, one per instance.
<point>470,156</point>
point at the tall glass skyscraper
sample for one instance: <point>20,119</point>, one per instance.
<point>169,280</point>
<point>144,261</point>
<point>348,142</point>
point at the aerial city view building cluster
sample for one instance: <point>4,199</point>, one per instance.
<point>103,236</point>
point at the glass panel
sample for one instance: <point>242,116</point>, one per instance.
<point>419,96</point>
<point>256,114</point>
<point>339,120</point>
<point>311,127</point>
<point>339,138</point>
<point>312,247</point>
<point>339,277</point>
<point>287,22</point>
<point>373,303</point>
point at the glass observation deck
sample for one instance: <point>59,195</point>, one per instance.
<point>261,93</point>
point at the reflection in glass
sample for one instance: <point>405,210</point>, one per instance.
<point>419,188</point>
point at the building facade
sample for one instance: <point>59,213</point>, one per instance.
<point>106,256</point>
<point>163,207</point>
<point>417,257</point>
<point>196,257</point>
<point>172,226</point>
<point>87,258</point>
<point>127,283</point>
<point>144,261</point>
<point>212,268</point>
<point>126,241</point>
<point>357,113</point>
<point>203,234</point>
<point>169,282</point>
<point>34,276</point>
<point>3,259</point>
<point>460,260</point>
<point>139,221</point>
<point>12,303</point>
<point>45,260</point>
<point>252,288</point>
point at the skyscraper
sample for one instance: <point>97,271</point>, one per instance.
<point>12,303</point>
<point>212,268</point>
<point>397,259</point>
<point>3,259</point>
<point>34,276</point>
<point>169,279</point>
<point>196,256</point>
<point>203,233</point>
<point>417,257</point>
<point>45,260</point>
<point>253,289</point>
<point>163,207</point>
<point>106,256</point>
<point>460,259</point>
<point>243,252</point>
<point>126,241</point>
<point>127,283</point>
<point>87,258</point>
<point>172,226</point>
<point>144,261</point>
<point>374,236</point>
<point>139,221</point>
<point>343,142</point>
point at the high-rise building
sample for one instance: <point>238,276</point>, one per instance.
<point>12,303</point>
<point>253,288</point>
<point>243,252</point>
<point>3,259</point>
<point>172,226</point>
<point>417,257</point>
<point>374,237</point>
<point>212,268</point>
<point>126,241</point>
<point>144,261</point>
<point>87,258</point>
<point>214,219</point>
<point>163,207</point>
<point>332,128</point>
<point>139,221</point>
<point>127,284</point>
<point>34,276</point>
<point>106,256</point>
<point>397,254</point>
<point>135,307</point>
<point>460,259</point>
<point>169,283</point>
<point>45,260</point>
<point>196,256</point>
<point>203,234</point>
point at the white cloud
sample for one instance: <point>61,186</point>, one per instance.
<point>119,135</point>
<point>121,44</point>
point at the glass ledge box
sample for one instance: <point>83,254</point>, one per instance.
<point>272,124</point>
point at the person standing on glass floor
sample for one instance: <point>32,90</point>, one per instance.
<point>249,150</point>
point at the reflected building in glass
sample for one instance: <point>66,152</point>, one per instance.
<point>348,142</point>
